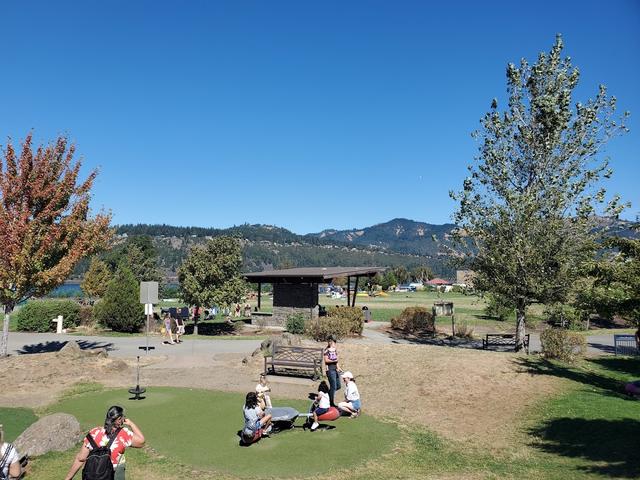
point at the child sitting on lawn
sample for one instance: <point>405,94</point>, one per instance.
<point>322,402</point>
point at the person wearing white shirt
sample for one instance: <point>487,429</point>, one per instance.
<point>352,404</point>
<point>9,460</point>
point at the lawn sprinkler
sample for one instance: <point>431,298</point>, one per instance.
<point>137,391</point>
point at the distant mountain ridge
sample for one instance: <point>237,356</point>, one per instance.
<point>399,235</point>
<point>397,242</point>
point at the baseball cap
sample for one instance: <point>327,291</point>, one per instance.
<point>347,375</point>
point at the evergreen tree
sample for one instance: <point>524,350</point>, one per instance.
<point>120,308</point>
<point>95,280</point>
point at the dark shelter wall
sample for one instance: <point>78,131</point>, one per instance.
<point>300,295</point>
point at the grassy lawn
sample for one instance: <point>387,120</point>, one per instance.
<point>198,428</point>
<point>590,430</point>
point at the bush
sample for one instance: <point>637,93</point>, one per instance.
<point>323,327</point>
<point>36,315</point>
<point>498,307</point>
<point>414,319</point>
<point>562,344</point>
<point>463,330</point>
<point>120,308</point>
<point>295,323</point>
<point>352,316</point>
<point>86,316</point>
<point>564,316</point>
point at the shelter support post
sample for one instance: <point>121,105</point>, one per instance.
<point>355,292</point>
<point>259,294</point>
<point>348,291</point>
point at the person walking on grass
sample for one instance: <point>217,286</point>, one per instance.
<point>106,446</point>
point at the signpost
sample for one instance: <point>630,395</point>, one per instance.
<point>148,296</point>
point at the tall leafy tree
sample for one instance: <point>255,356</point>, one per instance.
<point>96,279</point>
<point>45,222</point>
<point>530,201</point>
<point>615,286</point>
<point>210,275</point>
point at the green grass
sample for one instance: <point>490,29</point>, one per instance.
<point>589,431</point>
<point>15,421</point>
<point>198,428</point>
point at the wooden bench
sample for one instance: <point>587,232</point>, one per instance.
<point>295,357</point>
<point>502,339</point>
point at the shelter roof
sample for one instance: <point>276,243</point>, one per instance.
<point>310,274</point>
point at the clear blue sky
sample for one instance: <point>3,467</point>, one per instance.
<point>306,115</point>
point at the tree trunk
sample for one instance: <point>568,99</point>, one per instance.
<point>520,330</point>
<point>4,343</point>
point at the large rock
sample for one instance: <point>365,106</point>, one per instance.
<point>58,432</point>
<point>72,349</point>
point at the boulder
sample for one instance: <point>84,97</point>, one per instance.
<point>58,432</point>
<point>71,349</point>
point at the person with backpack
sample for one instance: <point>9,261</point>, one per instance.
<point>9,459</point>
<point>102,452</point>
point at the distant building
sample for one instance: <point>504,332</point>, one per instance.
<point>436,282</point>
<point>465,277</point>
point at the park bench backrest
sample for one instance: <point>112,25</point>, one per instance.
<point>625,345</point>
<point>297,354</point>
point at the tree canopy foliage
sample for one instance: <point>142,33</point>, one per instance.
<point>45,222</point>
<point>530,201</point>
<point>210,275</point>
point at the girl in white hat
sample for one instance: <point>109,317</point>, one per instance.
<point>351,405</point>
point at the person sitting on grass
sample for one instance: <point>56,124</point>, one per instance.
<point>351,405</point>
<point>321,405</point>
<point>256,423</point>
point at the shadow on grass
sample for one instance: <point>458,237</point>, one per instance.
<point>614,444</point>
<point>609,385</point>
<point>56,346</point>
<point>627,366</point>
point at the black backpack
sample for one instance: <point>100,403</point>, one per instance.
<point>98,464</point>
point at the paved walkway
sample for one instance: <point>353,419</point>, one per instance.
<point>22,343</point>
<point>373,333</point>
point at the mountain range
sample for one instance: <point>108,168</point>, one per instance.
<point>398,242</point>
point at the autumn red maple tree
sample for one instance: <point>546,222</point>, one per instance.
<point>45,222</point>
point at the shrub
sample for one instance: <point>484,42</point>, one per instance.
<point>321,328</point>
<point>86,316</point>
<point>295,323</point>
<point>498,307</point>
<point>463,330</point>
<point>352,316</point>
<point>564,316</point>
<point>414,319</point>
<point>562,344</point>
<point>36,315</point>
<point>120,308</point>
